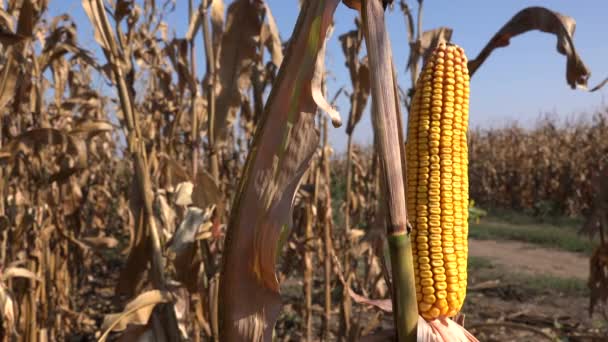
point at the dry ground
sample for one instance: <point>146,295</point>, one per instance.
<point>527,288</point>
<point>528,278</point>
<point>531,259</point>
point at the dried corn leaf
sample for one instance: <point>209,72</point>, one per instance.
<point>136,312</point>
<point>100,242</point>
<point>164,214</point>
<point>428,41</point>
<point>271,38</point>
<point>89,128</point>
<point>354,4</point>
<point>382,304</point>
<point>282,149</point>
<point>442,330</point>
<point>172,171</point>
<point>359,76</point>
<point>236,59</point>
<point>17,272</point>
<point>317,85</point>
<point>177,51</point>
<point>7,309</point>
<point>361,94</point>
<point>96,16</point>
<point>205,192</point>
<point>183,194</point>
<point>351,45</point>
<point>41,137</point>
<point>545,20</point>
<point>139,244</point>
<point>217,21</point>
<point>439,330</point>
<point>28,16</point>
<point>191,226</point>
<point>8,38</point>
<point>195,23</point>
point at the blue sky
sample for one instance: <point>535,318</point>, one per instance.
<point>519,82</point>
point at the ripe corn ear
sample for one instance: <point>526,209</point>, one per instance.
<point>437,182</point>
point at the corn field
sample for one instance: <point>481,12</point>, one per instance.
<point>520,168</point>
<point>168,205</point>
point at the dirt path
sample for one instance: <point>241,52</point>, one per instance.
<point>532,259</point>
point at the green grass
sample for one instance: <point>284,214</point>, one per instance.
<point>559,234</point>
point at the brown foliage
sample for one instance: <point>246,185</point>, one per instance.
<point>545,170</point>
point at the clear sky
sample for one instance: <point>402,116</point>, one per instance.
<point>519,82</point>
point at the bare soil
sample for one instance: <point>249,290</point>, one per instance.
<point>531,259</point>
<point>520,296</point>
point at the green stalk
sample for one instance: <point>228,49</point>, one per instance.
<point>404,296</point>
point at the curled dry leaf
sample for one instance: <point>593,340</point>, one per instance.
<point>17,272</point>
<point>283,147</point>
<point>545,20</point>
<point>136,312</point>
<point>317,83</point>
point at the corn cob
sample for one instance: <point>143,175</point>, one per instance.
<point>437,182</point>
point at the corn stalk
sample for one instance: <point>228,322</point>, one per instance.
<point>327,233</point>
<point>117,61</point>
<point>391,154</point>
